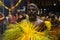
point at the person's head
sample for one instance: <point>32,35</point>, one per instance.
<point>53,17</point>
<point>32,9</point>
<point>10,15</point>
<point>20,15</point>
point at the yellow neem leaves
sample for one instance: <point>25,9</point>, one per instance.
<point>24,30</point>
<point>30,33</point>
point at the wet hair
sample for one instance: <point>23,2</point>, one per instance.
<point>35,6</point>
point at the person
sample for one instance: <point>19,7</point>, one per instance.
<point>33,13</point>
<point>12,18</point>
<point>2,24</point>
<point>21,17</point>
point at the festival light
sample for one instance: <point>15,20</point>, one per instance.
<point>12,8</point>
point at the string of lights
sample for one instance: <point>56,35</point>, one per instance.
<point>12,6</point>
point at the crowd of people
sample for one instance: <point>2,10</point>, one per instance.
<point>48,22</point>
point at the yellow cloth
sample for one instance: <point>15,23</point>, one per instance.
<point>48,25</point>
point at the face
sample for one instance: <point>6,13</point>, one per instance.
<point>31,10</point>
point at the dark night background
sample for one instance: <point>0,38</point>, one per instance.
<point>47,4</point>
<point>8,4</point>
